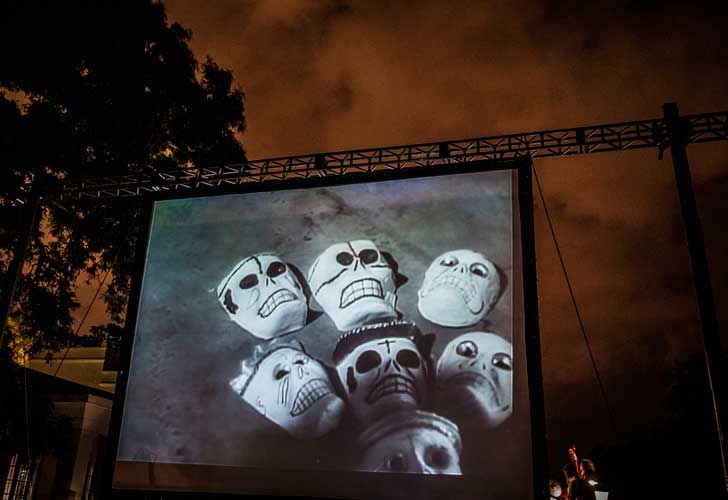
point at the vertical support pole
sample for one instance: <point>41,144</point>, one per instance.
<point>533,336</point>
<point>28,223</point>
<point>677,134</point>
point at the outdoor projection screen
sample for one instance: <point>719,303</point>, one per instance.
<point>351,339</point>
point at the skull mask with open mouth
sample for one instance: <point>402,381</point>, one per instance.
<point>354,284</point>
<point>290,388</point>
<point>475,379</point>
<point>460,289</point>
<point>262,295</point>
<point>382,368</point>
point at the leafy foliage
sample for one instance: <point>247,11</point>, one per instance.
<point>95,89</point>
<point>107,88</point>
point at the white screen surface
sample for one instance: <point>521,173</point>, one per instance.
<point>217,383</point>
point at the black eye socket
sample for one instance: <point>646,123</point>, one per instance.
<point>479,269</point>
<point>449,261</point>
<point>395,463</point>
<point>437,457</point>
<point>367,361</point>
<point>280,371</point>
<point>300,361</point>
<point>503,361</point>
<point>344,258</point>
<point>408,358</point>
<point>467,348</point>
<point>276,269</point>
<point>249,281</point>
<point>369,255</point>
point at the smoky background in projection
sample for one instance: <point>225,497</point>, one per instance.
<point>179,405</point>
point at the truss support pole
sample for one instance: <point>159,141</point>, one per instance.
<point>679,138</point>
<point>539,439</point>
<point>28,223</point>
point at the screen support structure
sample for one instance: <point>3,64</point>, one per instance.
<point>533,337</point>
<point>522,167</point>
<point>126,349</point>
<point>678,136</point>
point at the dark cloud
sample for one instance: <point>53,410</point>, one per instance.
<point>420,70</point>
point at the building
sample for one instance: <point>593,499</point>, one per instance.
<point>82,392</point>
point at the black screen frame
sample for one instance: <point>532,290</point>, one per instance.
<point>352,484</point>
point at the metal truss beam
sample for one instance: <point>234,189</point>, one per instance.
<point>564,142</point>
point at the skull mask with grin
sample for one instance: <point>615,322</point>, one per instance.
<point>290,388</point>
<point>354,284</point>
<point>383,368</point>
<point>460,289</point>
<point>475,380</point>
<point>262,295</point>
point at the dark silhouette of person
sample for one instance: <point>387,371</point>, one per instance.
<point>580,477</point>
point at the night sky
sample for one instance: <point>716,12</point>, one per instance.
<point>324,76</point>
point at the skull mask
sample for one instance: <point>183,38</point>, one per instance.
<point>411,442</point>
<point>554,489</point>
<point>354,284</point>
<point>291,389</point>
<point>474,379</point>
<point>382,369</point>
<point>460,289</point>
<point>262,295</point>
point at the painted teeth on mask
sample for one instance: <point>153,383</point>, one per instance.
<point>467,291</point>
<point>312,391</point>
<point>276,298</point>
<point>366,287</point>
<point>392,384</point>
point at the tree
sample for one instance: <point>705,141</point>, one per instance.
<point>96,89</point>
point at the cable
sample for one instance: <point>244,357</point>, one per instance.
<point>85,315</point>
<point>576,307</point>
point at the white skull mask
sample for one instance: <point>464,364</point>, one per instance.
<point>291,389</point>
<point>411,442</point>
<point>381,369</point>
<point>262,295</point>
<point>475,379</point>
<point>554,489</point>
<point>460,289</point>
<point>354,284</point>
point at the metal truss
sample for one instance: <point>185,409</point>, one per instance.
<point>564,142</point>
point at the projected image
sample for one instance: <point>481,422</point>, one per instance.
<point>373,327</point>
<point>272,298</point>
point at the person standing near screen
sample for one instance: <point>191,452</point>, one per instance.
<point>579,477</point>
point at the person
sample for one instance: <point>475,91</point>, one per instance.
<point>569,472</point>
<point>580,477</point>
